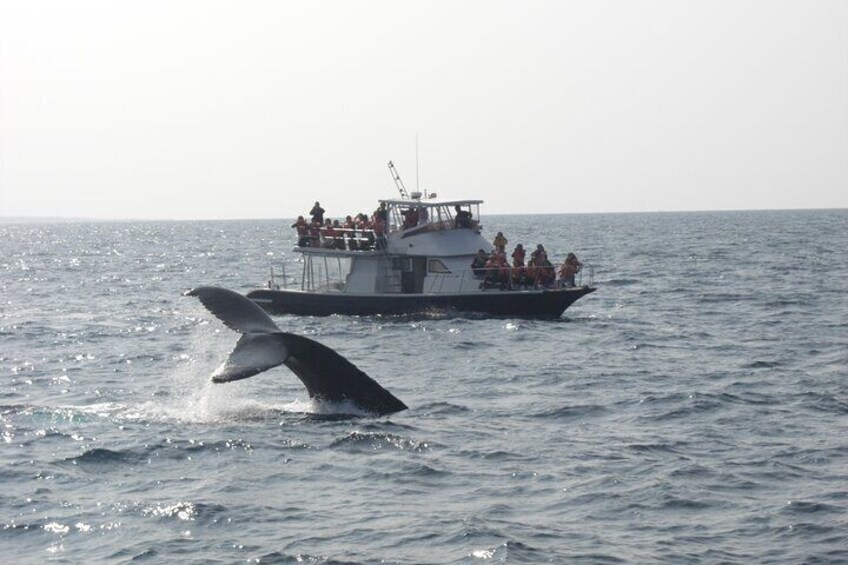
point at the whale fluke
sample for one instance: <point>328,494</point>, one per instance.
<point>253,354</point>
<point>238,313</point>
<point>330,376</point>
<point>262,346</point>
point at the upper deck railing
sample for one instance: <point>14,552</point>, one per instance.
<point>367,239</point>
<point>403,218</point>
<point>345,239</point>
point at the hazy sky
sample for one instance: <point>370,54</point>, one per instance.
<point>208,109</point>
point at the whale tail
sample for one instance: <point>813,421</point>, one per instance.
<point>262,346</point>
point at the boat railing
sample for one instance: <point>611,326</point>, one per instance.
<point>320,277</point>
<point>367,239</point>
<point>506,278</point>
<point>346,239</point>
<point>272,283</point>
<point>589,269</point>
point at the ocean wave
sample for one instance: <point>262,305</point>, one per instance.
<point>377,441</point>
<point>441,409</point>
<point>621,282</point>
<point>802,507</point>
<point>725,297</point>
<point>572,412</point>
<point>497,455</point>
<point>105,456</point>
<point>706,403</point>
<point>167,449</point>
<point>822,402</point>
<point>283,558</point>
<point>200,512</point>
<point>676,448</point>
<point>762,364</point>
<point>677,503</point>
<point>511,551</point>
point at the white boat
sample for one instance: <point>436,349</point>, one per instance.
<point>422,263</point>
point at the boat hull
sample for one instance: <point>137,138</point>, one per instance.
<point>549,303</point>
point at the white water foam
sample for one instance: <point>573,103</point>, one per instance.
<point>193,397</point>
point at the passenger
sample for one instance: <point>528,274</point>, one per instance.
<point>542,273</point>
<point>379,231</point>
<point>539,256</point>
<point>504,270</point>
<point>302,232</point>
<point>382,213</point>
<point>500,242</point>
<point>569,268</point>
<point>350,233</point>
<point>478,265</point>
<point>410,218</point>
<point>338,239</point>
<point>497,271</point>
<point>329,235</point>
<point>462,218</point>
<point>518,256</point>
<point>519,271</point>
<point>491,272</point>
<point>366,230</point>
<point>317,213</point>
<point>548,278</point>
<point>315,234</point>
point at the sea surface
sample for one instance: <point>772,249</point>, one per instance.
<point>693,410</point>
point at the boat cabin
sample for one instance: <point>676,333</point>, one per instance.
<point>421,246</point>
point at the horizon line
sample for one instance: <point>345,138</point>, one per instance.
<point>71,219</point>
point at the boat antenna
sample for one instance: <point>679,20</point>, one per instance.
<point>398,182</point>
<point>417,184</point>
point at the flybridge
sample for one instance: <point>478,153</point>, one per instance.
<point>412,211</point>
<point>410,217</point>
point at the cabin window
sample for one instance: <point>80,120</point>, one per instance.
<point>401,264</point>
<point>436,266</point>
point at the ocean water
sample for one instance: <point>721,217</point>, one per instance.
<point>693,410</point>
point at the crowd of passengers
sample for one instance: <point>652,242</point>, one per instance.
<point>356,233</point>
<point>361,232</point>
<point>538,272</point>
